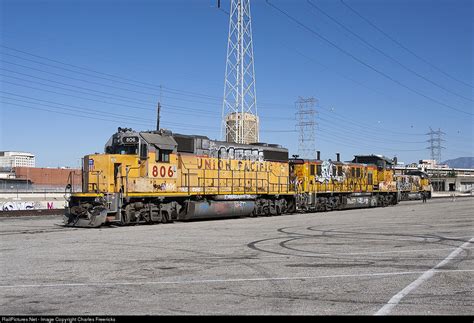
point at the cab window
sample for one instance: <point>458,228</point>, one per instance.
<point>143,151</point>
<point>163,155</point>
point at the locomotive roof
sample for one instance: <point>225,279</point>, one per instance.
<point>420,173</point>
<point>371,159</point>
<point>259,145</point>
<point>161,141</point>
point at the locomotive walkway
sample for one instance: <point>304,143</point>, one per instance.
<point>411,259</point>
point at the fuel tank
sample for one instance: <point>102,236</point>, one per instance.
<point>360,201</point>
<point>217,209</point>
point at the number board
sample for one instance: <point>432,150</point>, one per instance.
<point>130,140</point>
<point>162,171</point>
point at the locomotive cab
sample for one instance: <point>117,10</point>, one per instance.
<point>132,162</point>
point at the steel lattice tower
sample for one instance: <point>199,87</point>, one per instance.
<point>305,125</point>
<point>435,144</point>
<point>240,122</point>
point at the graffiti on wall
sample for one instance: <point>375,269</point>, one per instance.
<point>29,205</point>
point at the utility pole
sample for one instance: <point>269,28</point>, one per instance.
<point>240,122</point>
<point>158,117</point>
<point>305,125</point>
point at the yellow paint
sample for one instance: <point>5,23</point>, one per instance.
<point>184,174</point>
<point>311,178</point>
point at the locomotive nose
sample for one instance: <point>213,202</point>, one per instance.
<point>83,218</point>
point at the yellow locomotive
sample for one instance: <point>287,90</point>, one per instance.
<point>328,185</point>
<point>412,185</point>
<point>160,176</point>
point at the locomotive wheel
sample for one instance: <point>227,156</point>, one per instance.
<point>266,211</point>
<point>165,217</point>
<point>278,210</point>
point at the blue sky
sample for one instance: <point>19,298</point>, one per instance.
<point>71,72</point>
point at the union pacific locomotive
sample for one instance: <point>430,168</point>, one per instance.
<point>160,176</point>
<point>413,184</point>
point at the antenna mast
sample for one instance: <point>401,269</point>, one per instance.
<point>158,117</point>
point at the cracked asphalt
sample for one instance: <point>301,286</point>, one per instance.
<point>349,262</point>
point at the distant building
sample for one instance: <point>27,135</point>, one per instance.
<point>50,176</point>
<point>12,159</point>
<point>430,163</point>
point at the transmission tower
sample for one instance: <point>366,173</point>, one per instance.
<point>240,122</point>
<point>435,144</point>
<point>305,125</point>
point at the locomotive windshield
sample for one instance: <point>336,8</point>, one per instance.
<point>122,149</point>
<point>124,142</point>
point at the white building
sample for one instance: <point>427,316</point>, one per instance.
<point>10,159</point>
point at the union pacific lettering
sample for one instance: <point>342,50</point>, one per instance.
<point>233,165</point>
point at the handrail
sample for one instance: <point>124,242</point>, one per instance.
<point>127,170</point>
<point>98,179</point>
<point>203,177</point>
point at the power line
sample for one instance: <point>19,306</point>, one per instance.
<point>348,140</point>
<point>202,113</point>
<point>312,60</point>
<point>122,97</point>
<point>148,109</point>
<point>92,82</point>
<point>128,81</point>
<point>187,109</point>
<point>176,107</point>
<point>65,113</point>
<point>156,87</point>
<point>360,146</point>
<point>365,126</point>
<point>361,61</point>
<point>75,108</point>
<point>73,96</point>
<point>385,54</point>
<point>402,46</point>
<point>89,116</point>
<point>78,67</point>
<point>375,136</point>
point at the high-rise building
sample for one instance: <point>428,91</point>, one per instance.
<point>11,159</point>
